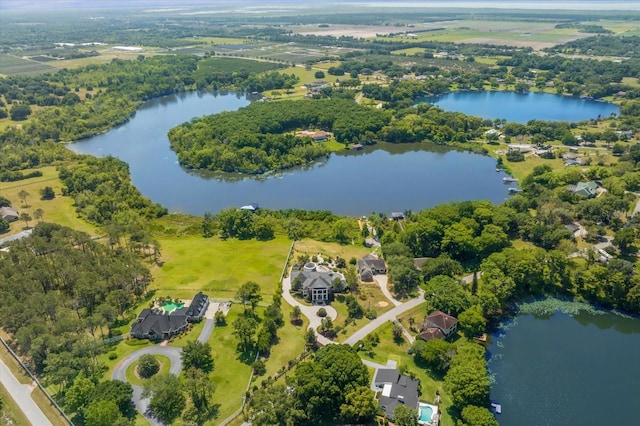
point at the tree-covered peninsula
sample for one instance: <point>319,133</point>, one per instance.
<point>261,137</point>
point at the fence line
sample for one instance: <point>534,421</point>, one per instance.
<point>37,382</point>
<point>244,398</point>
<point>29,183</point>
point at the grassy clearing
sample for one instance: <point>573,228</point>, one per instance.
<point>231,374</point>
<point>60,210</point>
<point>409,52</point>
<point>132,375</point>
<point>217,267</point>
<point>11,411</point>
<point>290,343</point>
<point>12,65</point>
<point>312,247</point>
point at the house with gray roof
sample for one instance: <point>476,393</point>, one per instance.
<point>316,286</point>
<point>156,324</point>
<point>369,266</point>
<point>584,189</point>
<point>395,389</point>
<point>10,214</point>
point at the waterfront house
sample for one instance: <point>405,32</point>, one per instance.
<point>395,389</point>
<point>447,324</point>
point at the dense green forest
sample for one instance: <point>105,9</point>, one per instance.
<point>626,46</point>
<point>260,137</point>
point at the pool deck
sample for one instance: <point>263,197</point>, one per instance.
<point>434,414</point>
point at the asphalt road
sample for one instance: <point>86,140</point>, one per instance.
<point>22,395</point>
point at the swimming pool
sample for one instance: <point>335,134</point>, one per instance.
<point>171,306</point>
<point>427,413</point>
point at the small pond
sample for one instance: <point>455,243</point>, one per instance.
<point>522,107</point>
<point>383,178</point>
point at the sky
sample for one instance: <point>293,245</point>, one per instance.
<point>109,4</point>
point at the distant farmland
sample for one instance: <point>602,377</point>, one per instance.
<point>12,65</point>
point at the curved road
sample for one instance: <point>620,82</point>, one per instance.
<point>174,355</point>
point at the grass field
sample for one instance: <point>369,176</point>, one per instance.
<point>312,247</point>
<point>60,210</point>
<point>217,267</point>
<point>13,65</point>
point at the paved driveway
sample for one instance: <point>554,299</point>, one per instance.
<point>383,282</point>
<point>174,355</point>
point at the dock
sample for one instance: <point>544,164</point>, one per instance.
<point>509,179</point>
<point>497,407</point>
<point>514,190</point>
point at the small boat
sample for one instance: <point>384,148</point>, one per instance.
<point>509,179</point>
<point>514,190</point>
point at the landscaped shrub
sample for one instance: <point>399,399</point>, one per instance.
<point>220,319</point>
<point>148,365</point>
<point>322,312</point>
<point>113,355</point>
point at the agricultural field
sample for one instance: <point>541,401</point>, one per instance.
<point>13,65</point>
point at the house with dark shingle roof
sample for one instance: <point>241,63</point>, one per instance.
<point>155,324</point>
<point>443,322</point>
<point>369,266</point>
<point>395,389</point>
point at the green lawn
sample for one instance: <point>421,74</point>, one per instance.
<point>217,267</point>
<point>290,344</point>
<point>231,375</point>
<point>312,247</point>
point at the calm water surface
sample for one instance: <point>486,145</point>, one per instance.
<point>567,370</point>
<point>521,108</point>
<point>381,179</point>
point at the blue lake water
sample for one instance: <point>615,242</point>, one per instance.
<point>520,108</point>
<point>567,370</point>
<point>383,178</point>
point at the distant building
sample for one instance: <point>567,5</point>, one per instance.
<point>251,207</point>
<point>584,189</point>
<point>397,215</point>
<point>10,214</point>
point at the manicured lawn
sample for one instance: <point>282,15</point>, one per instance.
<point>134,379</point>
<point>370,298</point>
<point>231,375</point>
<point>312,247</point>
<point>11,410</point>
<point>60,210</point>
<point>217,267</point>
<point>122,349</point>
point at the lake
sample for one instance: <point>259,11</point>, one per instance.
<point>520,108</point>
<point>382,178</point>
<point>580,369</point>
